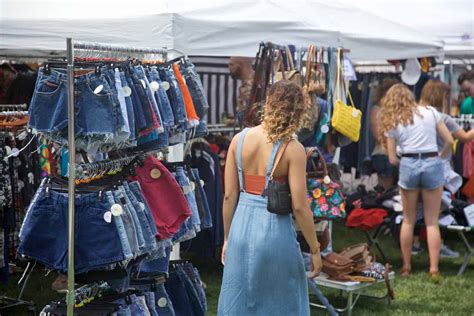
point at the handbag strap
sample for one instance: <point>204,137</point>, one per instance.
<point>338,85</point>
<point>309,155</point>
<point>278,157</point>
<point>309,63</point>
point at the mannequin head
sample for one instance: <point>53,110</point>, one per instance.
<point>240,68</point>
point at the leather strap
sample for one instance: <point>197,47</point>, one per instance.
<point>279,156</point>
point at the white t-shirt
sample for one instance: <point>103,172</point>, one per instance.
<point>419,137</point>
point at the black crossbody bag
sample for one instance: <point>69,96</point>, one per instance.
<point>278,194</point>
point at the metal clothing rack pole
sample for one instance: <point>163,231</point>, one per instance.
<point>70,299</point>
<point>71,46</point>
<point>16,106</point>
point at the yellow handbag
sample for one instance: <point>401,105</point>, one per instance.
<point>345,119</point>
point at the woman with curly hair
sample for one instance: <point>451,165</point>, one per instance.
<point>264,273</point>
<point>414,129</point>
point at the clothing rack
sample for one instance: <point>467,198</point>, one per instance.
<point>465,119</point>
<point>98,51</point>
<point>222,128</point>
<point>13,106</point>
<point>6,113</point>
<point>119,49</point>
<point>302,49</point>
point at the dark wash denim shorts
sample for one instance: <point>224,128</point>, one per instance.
<point>94,106</point>
<point>44,234</point>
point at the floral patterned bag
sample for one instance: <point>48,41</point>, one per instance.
<point>324,195</point>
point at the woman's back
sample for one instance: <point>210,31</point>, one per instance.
<point>419,137</point>
<point>256,154</point>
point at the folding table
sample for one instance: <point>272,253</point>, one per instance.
<point>353,290</point>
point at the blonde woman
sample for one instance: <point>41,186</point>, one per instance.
<point>264,273</point>
<point>414,129</point>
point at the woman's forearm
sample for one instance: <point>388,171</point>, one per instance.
<point>304,219</point>
<point>228,210</point>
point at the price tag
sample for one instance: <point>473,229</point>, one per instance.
<point>116,210</point>
<point>155,173</point>
<point>166,85</point>
<point>154,86</point>
<point>98,89</point>
<point>186,189</point>
<point>324,129</point>
<point>127,91</point>
<point>108,217</point>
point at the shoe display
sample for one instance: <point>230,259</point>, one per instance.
<point>448,253</point>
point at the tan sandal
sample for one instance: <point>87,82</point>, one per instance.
<point>405,272</point>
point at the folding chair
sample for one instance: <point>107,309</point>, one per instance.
<point>461,230</point>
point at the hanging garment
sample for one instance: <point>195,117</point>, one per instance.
<point>468,159</point>
<point>264,272</point>
<point>193,118</point>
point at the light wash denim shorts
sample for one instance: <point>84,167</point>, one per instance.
<point>421,173</point>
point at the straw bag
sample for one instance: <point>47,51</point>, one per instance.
<point>346,119</point>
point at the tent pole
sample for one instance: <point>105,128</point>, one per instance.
<point>71,176</point>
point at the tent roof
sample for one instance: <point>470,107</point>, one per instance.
<point>450,20</point>
<point>221,28</point>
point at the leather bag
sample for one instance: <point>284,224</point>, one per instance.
<point>337,266</point>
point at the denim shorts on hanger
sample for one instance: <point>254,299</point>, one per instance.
<point>44,233</point>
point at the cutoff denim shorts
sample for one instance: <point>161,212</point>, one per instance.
<point>421,173</point>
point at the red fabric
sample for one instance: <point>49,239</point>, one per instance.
<point>366,219</point>
<point>164,196</point>
<point>468,189</point>
<point>215,148</point>
<point>468,159</point>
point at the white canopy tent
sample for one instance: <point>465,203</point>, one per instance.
<point>450,20</point>
<point>210,28</point>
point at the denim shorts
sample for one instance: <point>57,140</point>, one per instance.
<point>183,180</point>
<point>95,109</point>
<point>198,95</point>
<point>421,173</point>
<point>176,98</point>
<point>382,166</point>
<point>44,232</point>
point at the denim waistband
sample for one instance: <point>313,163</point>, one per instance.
<point>60,75</point>
<point>79,200</point>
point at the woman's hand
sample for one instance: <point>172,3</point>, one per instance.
<point>317,265</point>
<point>224,249</point>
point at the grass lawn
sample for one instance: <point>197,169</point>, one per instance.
<point>418,295</point>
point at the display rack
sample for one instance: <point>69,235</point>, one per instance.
<point>97,48</point>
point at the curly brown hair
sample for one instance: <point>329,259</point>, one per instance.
<point>283,111</point>
<point>382,89</point>
<point>436,94</point>
<point>398,107</point>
